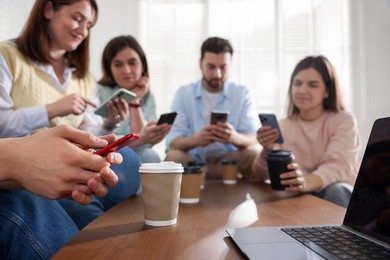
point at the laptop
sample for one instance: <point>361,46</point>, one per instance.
<point>365,231</point>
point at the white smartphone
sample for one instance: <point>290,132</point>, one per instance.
<point>124,93</point>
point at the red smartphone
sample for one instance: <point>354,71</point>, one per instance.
<point>118,144</point>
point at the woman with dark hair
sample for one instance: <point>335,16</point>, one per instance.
<point>322,135</point>
<point>124,65</point>
<point>45,82</point>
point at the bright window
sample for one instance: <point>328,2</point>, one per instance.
<point>269,37</point>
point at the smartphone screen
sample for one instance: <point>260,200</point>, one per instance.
<point>270,120</point>
<point>118,144</point>
<point>167,118</point>
<point>218,116</point>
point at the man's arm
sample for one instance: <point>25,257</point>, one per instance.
<point>225,133</point>
<point>203,138</point>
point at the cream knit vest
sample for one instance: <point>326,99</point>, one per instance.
<point>33,87</point>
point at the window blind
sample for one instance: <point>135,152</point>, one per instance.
<point>269,37</point>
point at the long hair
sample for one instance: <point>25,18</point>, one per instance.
<point>34,40</point>
<point>322,65</point>
<point>112,48</point>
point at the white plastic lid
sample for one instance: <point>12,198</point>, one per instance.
<point>162,167</point>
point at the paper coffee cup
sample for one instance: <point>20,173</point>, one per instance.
<point>191,184</point>
<point>277,161</point>
<point>161,184</point>
<point>203,168</point>
<point>229,172</point>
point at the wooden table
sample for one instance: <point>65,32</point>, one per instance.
<point>120,233</point>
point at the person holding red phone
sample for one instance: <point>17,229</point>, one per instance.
<point>37,171</point>
<point>322,135</point>
<point>124,65</point>
<point>45,82</point>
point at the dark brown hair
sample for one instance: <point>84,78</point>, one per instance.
<point>34,41</point>
<point>323,66</point>
<point>112,48</point>
<point>215,45</point>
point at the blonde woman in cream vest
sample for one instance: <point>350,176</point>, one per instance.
<point>45,82</point>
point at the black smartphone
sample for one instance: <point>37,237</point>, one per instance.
<point>167,118</point>
<point>118,144</point>
<point>218,116</point>
<point>270,120</point>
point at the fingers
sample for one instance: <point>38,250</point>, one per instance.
<point>118,110</point>
<point>114,158</point>
<point>109,177</point>
<point>81,197</point>
<point>80,137</point>
<point>89,102</point>
<point>294,180</point>
<point>96,184</point>
<point>267,136</point>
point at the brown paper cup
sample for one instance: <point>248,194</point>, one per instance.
<point>190,188</point>
<point>229,172</point>
<point>161,184</point>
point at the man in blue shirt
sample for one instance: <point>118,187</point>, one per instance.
<point>193,137</point>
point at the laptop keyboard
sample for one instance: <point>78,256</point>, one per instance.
<point>337,243</point>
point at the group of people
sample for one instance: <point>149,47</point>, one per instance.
<point>51,182</point>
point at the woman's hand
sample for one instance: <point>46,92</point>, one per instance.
<point>293,179</point>
<point>141,88</point>
<point>296,181</point>
<point>71,104</point>
<point>153,133</point>
<point>118,110</point>
<point>267,136</point>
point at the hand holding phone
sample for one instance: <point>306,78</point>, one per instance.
<point>270,120</point>
<point>123,93</point>
<point>218,116</point>
<point>118,144</point>
<point>167,118</point>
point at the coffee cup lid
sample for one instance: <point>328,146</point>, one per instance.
<point>229,162</point>
<point>275,154</point>
<point>161,167</point>
<point>192,169</point>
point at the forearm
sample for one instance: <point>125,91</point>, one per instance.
<point>8,162</point>
<point>184,143</point>
<point>259,166</point>
<point>313,183</point>
<point>243,141</point>
<point>136,119</point>
<point>22,122</point>
<point>10,185</point>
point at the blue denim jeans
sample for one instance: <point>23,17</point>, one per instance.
<point>32,227</point>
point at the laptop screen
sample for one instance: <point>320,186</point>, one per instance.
<point>369,208</point>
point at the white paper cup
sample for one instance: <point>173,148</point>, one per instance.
<point>161,184</point>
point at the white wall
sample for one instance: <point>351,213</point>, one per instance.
<point>370,21</point>
<point>115,18</point>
